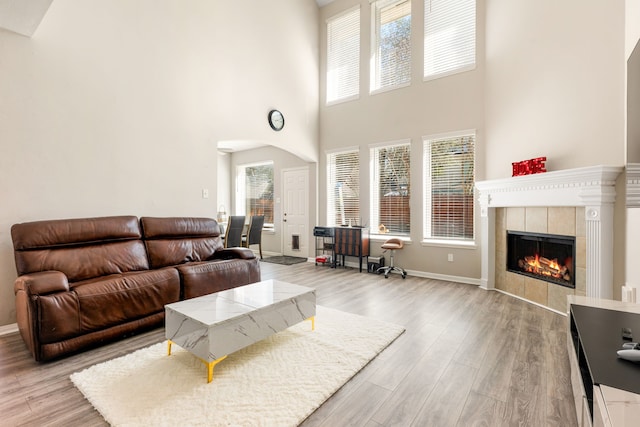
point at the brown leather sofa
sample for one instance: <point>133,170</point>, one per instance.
<point>85,282</point>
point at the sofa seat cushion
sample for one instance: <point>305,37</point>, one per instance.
<point>201,278</point>
<point>116,299</point>
<point>100,303</point>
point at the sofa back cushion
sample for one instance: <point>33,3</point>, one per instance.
<point>80,248</point>
<point>174,241</point>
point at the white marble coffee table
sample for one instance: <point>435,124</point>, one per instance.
<point>214,326</point>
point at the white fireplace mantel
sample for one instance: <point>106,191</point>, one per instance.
<point>591,187</point>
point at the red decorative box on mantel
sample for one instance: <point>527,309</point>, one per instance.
<point>528,167</point>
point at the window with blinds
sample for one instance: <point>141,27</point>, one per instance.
<point>449,178</point>
<point>343,56</point>
<point>449,37</point>
<point>391,47</point>
<point>254,191</point>
<point>391,189</point>
<point>343,188</point>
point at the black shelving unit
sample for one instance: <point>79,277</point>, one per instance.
<point>325,246</point>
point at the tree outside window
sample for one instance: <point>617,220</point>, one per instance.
<point>395,51</point>
<point>392,45</point>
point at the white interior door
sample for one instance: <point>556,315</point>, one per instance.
<point>295,214</point>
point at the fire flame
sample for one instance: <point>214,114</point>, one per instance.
<point>536,263</point>
<point>535,266</point>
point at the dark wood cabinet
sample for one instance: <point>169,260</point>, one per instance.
<point>351,241</point>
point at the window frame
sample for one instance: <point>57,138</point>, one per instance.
<point>374,182</point>
<point>375,62</point>
<point>331,211</point>
<point>427,237</point>
<point>241,191</point>
<point>329,82</point>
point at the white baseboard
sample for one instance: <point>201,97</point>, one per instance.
<point>8,329</point>
<point>444,277</point>
<point>425,274</point>
<point>266,253</point>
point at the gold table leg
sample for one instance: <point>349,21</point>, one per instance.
<point>313,322</point>
<point>210,366</point>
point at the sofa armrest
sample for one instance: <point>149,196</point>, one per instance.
<point>233,253</point>
<point>42,283</point>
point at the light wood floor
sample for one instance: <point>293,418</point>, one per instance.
<point>468,357</point>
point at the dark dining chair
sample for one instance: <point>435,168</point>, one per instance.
<point>254,235</point>
<point>233,233</point>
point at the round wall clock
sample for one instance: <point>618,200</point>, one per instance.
<point>276,120</point>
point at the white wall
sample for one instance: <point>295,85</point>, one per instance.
<point>225,183</point>
<point>632,25</point>
<point>632,31</point>
<point>632,56</point>
<point>115,107</point>
<point>555,83</point>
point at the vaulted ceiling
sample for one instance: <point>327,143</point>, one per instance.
<point>24,16</point>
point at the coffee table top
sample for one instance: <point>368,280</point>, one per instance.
<point>226,305</point>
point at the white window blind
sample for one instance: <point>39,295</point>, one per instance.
<point>449,36</point>
<point>343,56</point>
<point>390,189</point>
<point>254,191</point>
<point>343,188</point>
<point>391,45</point>
<point>448,191</point>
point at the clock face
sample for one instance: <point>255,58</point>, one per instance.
<point>276,120</point>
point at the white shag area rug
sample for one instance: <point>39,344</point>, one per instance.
<point>279,381</point>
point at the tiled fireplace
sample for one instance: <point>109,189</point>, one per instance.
<point>576,204</point>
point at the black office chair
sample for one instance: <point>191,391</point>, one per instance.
<point>233,233</point>
<point>254,235</point>
<point>392,244</point>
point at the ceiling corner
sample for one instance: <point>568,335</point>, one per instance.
<point>23,16</point>
<point>322,3</point>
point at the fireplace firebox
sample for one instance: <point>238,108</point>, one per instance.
<point>548,257</point>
